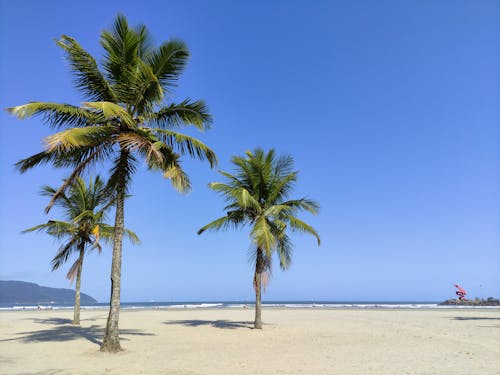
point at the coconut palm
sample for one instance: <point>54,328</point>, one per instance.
<point>130,117</point>
<point>257,196</point>
<point>84,207</point>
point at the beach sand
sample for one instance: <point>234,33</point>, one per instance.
<point>221,341</point>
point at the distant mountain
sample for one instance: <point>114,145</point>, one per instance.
<point>21,292</point>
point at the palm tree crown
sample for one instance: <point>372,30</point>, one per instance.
<point>256,195</point>
<point>128,117</point>
<point>84,208</point>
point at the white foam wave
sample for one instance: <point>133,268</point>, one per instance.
<point>251,305</point>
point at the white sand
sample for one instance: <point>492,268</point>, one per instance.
<point>219,341</point>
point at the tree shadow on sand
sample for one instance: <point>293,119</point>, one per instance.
<point>224,324</point>
<point>65,331</point>
<point>57,321</point>
<point>45,372</point>
<point>474,318</point>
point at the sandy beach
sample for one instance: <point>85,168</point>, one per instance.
<point>220,341</point>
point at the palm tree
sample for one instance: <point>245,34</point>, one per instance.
<point>84,208</point>
<point>128,119</point>
<point>257,196</point>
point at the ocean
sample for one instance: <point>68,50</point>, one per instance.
<point>249,304</point>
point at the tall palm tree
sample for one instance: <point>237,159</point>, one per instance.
<point>84,208</point>
<point>257,196</point>
<point>131,117</point>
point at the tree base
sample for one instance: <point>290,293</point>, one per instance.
<point>111,345</point>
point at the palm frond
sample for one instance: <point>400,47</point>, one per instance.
<point>55,228</point>
<point>285,252</point>
<point>122,45</point>
<point>154,74</point>
<point>303,204</point>
<point>66,158</point>
<point>64,252</point>
<point>245,199</point>
<point>262,236</point>
<point>232,220</point>
<point>76,172</point>
<point>240,195</point>
<point>265,267</point>
<point>73,271</point>
<point>111,111</point>
<point>84,207</point>
<point>168,61</point>
<point>145,90</point>
<point>40,158</point>
<point>184,113</point>
<point>88,78</point>
<point>133,238</point>
<point>276,210</point>
<point>107,233</point>
<point>69,139</point>
<point>49,191</point>
<point>97,245</point>
<point>257,191</point>
<point>145,41</point>
<point>179,179</point>
<point>281,186</point>
<point>124,166</point>
<point>57,115</point>
<point>151,150</point>
<point>233,179</point>
<point>284,165</point>
<point>184,144</point>
<point>300,226</point>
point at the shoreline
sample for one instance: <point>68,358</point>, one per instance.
<point>189,307</point>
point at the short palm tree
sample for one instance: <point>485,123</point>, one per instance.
<point>257,196</point>
<point>129,118</point>
<point>84,208</point>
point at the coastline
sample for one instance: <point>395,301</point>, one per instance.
<point>250,305</point>
<point>220,340</point>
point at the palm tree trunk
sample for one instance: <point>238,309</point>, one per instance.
<point>111,340</point>
<point>76,310</point>
<point>259,268</point>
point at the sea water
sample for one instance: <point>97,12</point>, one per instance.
<point>250,304</point>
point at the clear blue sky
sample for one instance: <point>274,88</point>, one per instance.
<point>390,108</point>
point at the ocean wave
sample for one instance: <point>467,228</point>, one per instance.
<point>244,305</point>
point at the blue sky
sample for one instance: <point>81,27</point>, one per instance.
<point>391,110</point>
